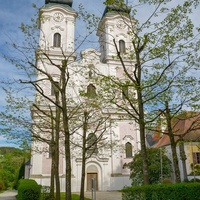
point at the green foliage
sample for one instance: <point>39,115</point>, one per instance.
<point>12,165</point>
<point>28,189</point>
<point>154,158</point>
<point>45,193</point>
<point>2,186</point>
<point>195,180</point>
<point>195,169</point>
<point>186,191</point>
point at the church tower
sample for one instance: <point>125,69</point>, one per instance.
<point>57,24</point>
<point>114,26</point>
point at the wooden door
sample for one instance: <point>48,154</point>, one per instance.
<point>91,176</point>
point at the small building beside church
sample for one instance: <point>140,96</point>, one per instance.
<point>186,130</point>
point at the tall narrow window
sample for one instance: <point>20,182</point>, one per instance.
<point>196,157</point>
<point>128,147</point>
<point>57,40</point>
<point>125,92</point>
<point>54,87</point>
<point>92,144</point>
<point>122,46</point>
<point>90,74</point>
<point>91,91</point>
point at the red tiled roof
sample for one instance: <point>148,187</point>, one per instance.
<point>186,125</point>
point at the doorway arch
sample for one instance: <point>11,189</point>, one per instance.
<point>92,173</point>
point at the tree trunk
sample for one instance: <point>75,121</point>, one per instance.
<point>183,159</point>
<point>173,144</point>
<point>52,187</point>
<point>57,151</point>
<point>83,176</point>
<point>64,80</point>
<point>68,167</point>
<point>175,160</point>
<point>84,155</point>
<point>142,139</point>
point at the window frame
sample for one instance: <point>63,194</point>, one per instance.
<point>91,91</point>
<point>122,46</point>
<point>129,150</point>
<point>125,92</point>
<point>196,158</point>
<point>53,88</point>
<point>57,40</point>
<point>92,144</point>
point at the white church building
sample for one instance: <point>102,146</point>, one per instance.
<point>57,39</point>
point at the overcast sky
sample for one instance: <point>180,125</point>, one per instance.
<point>13,12</point>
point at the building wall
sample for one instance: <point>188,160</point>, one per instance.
<point>190,148</point>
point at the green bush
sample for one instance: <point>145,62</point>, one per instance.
<point>195,180</point>
<point>45,193</point>
<point>28,189</point>
<point>181,191</point>
<point>2,186</point>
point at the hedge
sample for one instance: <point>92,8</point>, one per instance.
<point>181,191</point>
<point>28,189</point>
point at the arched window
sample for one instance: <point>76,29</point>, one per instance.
<point>125,92</point>
<point>128,147</point>
<point>92,144</point>
<point>91,91</point>
<point>57,40</point>
<point>122,46</point>
<point>54,87</point>
<point>90,74</point>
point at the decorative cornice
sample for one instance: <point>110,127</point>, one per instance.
<point>119,175</point>
<point>94,158</point>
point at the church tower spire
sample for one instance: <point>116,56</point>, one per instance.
<point>114,26</point>
<point>57,28</point>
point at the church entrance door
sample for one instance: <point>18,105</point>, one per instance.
<point>90,177</point>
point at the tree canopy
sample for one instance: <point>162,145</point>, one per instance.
<point>158,164</point>
<point>12,163</point>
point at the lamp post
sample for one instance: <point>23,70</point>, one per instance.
<point>94,189</point>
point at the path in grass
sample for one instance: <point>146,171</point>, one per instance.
<point>8,195</point>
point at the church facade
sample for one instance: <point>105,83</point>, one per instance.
<point>57,40</point>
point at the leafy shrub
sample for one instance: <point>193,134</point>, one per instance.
<point>2,186</point>
<point>195,180</point>
<point>153,159</point>
<point>195,169</point>
<point>182,191</point>
<point>11,160</point>
<point>45,193</point>
<point>28,189</point>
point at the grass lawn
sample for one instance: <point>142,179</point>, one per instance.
<point>74,196</point>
